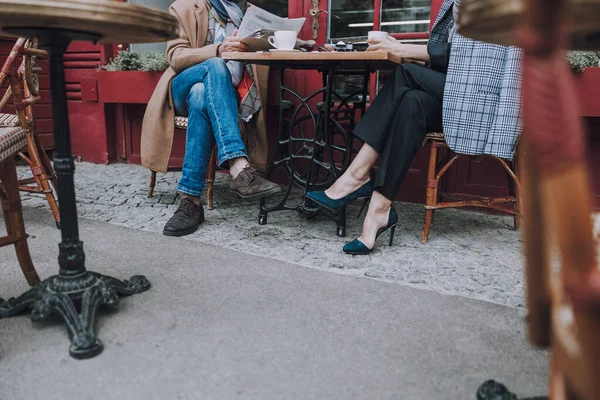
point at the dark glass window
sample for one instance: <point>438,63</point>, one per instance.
<point>354,18</point>
<point>350,18</point>
<point>277,7</point>
<point>405,16</point>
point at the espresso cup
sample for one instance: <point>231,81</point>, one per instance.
<point>283,40</point>
<point>377,35</point>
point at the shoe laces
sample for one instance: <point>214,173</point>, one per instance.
<point>252,171</point>
<point>186,206</point>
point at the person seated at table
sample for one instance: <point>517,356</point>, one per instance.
<point>468,90</point>
<point>200,85</point>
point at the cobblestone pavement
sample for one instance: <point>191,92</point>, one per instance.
<point>469,254</point>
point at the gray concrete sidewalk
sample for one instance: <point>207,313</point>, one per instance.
<point>222,324</point>
<point>469,254</point>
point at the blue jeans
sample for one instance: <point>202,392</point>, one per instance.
<point>205,95</point>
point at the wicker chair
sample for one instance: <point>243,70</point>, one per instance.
<point>182,123</point>
<point>436,170</point>
<point>24,92</point>
<point>12,141</point>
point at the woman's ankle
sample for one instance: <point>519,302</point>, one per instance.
<point>358,176</point>
<point>379,204</point>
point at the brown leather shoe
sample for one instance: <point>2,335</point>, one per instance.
<point>249,184</point>
<point>186,219</point>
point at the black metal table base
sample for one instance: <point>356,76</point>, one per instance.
<point>326,159</point>
<point>310,211</point>
<point>75,294</point>
<point>76,299</point>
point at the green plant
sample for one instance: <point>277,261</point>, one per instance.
<point>580,60</point>
<point>128,60</point>
<point>154,61</point>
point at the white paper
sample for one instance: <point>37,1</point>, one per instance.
<point>257,19</point>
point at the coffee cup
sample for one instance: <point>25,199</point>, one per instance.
<point>283,40</point>
<point>377,35</point>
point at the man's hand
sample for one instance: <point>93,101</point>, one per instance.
<point>232,43</point>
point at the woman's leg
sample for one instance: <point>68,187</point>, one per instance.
<point>357,174</point>
<point>418,114</point>
<point>377,124</point>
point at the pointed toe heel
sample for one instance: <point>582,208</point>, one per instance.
<point>358,248</point>
<point>319,197</point>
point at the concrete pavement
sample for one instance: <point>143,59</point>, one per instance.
<point>222,324</point>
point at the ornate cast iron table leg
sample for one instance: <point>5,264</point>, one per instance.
<point>320,152</point>
<point>75,293</point>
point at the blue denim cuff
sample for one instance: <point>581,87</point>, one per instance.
<point>189,192</point>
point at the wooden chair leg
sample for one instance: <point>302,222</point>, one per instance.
<point>559,387</point>
<point>517,194</point>
<point>427,226</point>
<point>46,163</point>
<point>431,193</point>
<point>210,178</point>
<point>13,218</point>
<point>40,175</point>
<point>152,183</point>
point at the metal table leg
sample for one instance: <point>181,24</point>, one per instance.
<point>320,150</point>
<point>75,293</point>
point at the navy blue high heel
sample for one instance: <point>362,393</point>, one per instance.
<point>319,197</point>
<point>358,248</point>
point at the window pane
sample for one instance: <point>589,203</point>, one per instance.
<point>405,16</point>
<point>277,7</point>
<point>350,18</point>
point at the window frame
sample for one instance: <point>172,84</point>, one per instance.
<point>377,15</point>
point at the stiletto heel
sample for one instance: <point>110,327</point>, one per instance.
<point>364,205</point>
<point>392,235</point>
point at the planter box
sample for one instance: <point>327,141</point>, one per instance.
<point>588,84</point>
<point>126,87</point>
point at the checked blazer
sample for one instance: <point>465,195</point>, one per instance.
<point>482,96</point>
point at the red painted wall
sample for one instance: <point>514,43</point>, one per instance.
<point>87,118</point>
<point>86,115</point>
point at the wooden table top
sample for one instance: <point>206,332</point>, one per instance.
<point>354,60</point>
<point>111,22</point>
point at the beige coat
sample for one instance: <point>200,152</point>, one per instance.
<point>159,121</point>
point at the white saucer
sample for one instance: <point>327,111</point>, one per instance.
<point>283,50</point>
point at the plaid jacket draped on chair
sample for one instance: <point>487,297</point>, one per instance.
<point>482,97</point>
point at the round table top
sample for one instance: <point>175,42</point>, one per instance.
<point>108,21</point>
<point>496,21</point>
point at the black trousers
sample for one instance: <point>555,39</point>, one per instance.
<point>407,108</point>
